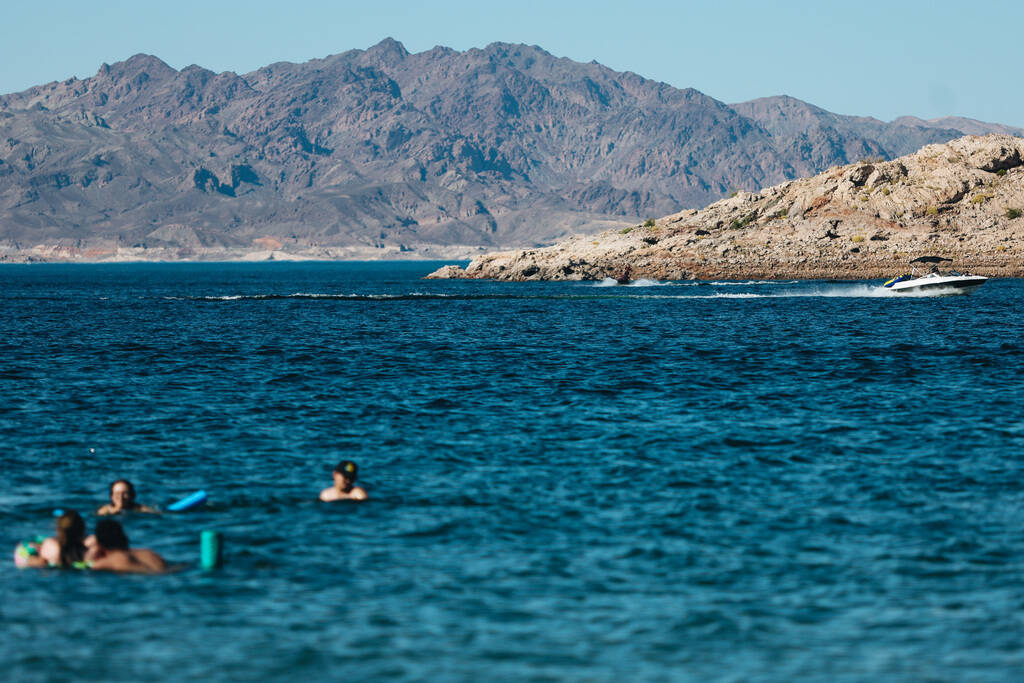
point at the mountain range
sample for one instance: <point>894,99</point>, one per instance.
<point>379,152</point>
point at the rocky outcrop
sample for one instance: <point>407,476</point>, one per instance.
<point>963,199</point>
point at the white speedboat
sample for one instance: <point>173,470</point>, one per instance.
<point>934,282</point>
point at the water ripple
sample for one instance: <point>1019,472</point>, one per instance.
<point>743,480</point>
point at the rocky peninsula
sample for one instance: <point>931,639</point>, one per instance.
<point>963,199</point>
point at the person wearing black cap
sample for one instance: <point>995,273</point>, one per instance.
<point>344,484</point>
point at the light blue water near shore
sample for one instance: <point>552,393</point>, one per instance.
<point>682,481</point>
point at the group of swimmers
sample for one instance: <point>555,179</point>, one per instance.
<point>108,549</point>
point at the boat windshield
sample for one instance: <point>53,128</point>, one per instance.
<point>930,265</point>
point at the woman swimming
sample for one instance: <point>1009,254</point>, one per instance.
<point>66,549</point>
<point>122,499</point>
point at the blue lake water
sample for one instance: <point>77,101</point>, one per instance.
<point>682,481</point>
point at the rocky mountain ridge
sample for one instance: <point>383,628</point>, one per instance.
<point>963,200</point>
<point>380,153</point>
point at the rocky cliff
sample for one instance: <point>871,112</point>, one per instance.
<point>382,153</point>
<point>963,200</point>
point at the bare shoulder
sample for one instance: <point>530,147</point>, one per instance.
<point>107,509</point>
<point>149,558</point>
<point>355,493</point>
<point>49,550</point>
<point>125,562</point>
<point>331,494</point>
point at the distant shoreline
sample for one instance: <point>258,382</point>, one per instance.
<point>819,274</point>
<point>214,261</point>
<point>61,254</point>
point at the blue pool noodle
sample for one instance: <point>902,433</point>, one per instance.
<point>188,502</point>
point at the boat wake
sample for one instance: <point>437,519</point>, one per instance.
<point>749,283</point>
<point>641,282</point>
<point>644,282</point>
<point>334,297</point>
<point>634,290</point>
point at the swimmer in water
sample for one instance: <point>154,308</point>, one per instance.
<point>113,554</point>
<point>122,499</point>
<point>66,549</point>
<point>344,484</point>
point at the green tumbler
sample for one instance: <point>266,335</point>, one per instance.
<point>211,549</point>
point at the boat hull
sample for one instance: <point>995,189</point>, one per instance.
<point>946,284</point>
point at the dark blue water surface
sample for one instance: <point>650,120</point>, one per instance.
<point>679,481</point>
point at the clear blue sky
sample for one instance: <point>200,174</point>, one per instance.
<point>881,59</point>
